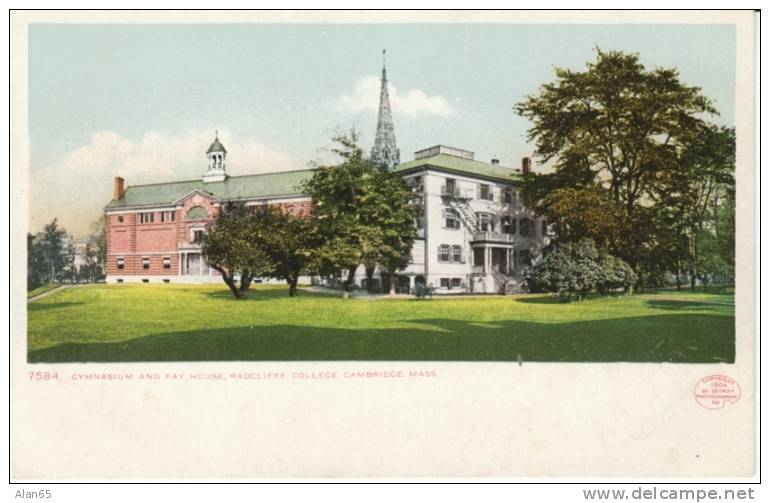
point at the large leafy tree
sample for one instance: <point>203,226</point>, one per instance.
<point>367,214</point>
<point>613,129</point>
<point>696,202</point>
<point>234,248</point>
<point>289,242</point>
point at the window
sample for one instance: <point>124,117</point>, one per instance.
<point>457,254</point>
<point>485,192</point>
<point>120,218</point>
<point>146,217</point>
<point>478,256</point>
<point>509,196</point>
<point>421,218</point>
<point>197,213</point>
<point>167,216</point>
<point>198,235</point>
<point>443,253</point>
<point>524,227</point>
<point>450,187</point>
<point>444,282</point>
<point>544,225</point>
<point>456,283</point>
<point>166,263</point>
<point>509,225</point>
<point>120,263</point>
<point>485,222</point>
<point>417,184</point>
<point>145,262</point>
<point>451,219</point>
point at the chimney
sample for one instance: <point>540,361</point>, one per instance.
<point>495,161</point>
<point>118,187</point>
<point>526,166</point>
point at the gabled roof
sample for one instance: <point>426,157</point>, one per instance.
<point>286,183</point>
<point>462,166</point>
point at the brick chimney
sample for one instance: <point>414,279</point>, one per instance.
<point>118,188</point>
<point>526,166</point>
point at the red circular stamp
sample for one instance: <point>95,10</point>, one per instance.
<point>715,390</point>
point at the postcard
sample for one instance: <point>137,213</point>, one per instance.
<point>355,244</point>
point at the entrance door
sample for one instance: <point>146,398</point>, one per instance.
<point>193,263</point>
<point>499,262</point>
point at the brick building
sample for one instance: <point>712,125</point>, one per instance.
<point>155,231</point>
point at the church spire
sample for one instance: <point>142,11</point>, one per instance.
<point>385,151</point>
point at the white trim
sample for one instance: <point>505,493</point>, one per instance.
<point>143,210</point>
<point>128,254</point>
<point>196,191</point>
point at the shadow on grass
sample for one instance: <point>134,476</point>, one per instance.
<point>45,306</point>
<point>680,305</point>
<point>262,293</point>
<point>659,338</point>
<point>555,299</point>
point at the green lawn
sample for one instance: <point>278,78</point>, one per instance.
<point>42,289</point>
<point>185,323</point>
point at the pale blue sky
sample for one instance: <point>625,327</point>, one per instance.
<point>280,86</point>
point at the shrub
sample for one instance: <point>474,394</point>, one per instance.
<point>577,268</point>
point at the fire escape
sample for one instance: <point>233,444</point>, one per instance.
<point>506,282</point>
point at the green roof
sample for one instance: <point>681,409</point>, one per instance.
<point>459,165</point>
<point>286,183</point>
<point>216,147</point>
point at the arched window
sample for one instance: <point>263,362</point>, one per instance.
<point>197,213</point>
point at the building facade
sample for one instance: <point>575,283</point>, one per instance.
<point>155,232</point>
<point>474,233</point>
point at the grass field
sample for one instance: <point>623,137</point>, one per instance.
<point>42,289</point>
<point>116,323</point>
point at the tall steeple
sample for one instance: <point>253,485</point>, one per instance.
<point>385,151</point>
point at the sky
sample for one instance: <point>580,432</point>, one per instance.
<point>143,101</point>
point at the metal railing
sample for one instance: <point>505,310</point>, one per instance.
<point>493,236</point>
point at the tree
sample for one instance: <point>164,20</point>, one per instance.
<point>69,270</point>
<point>696,193</point>
<point>37,270</point>
<point>96,250</point>
<point>578,267</point>
<point>289,242</point>
<point>51,247</point>
<point>615,127</point>
<point>233,248</point>
<point>367,214</point>
<point>586,213</point>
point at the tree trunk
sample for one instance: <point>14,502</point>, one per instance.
<point>392,290</point>
<point>230,283</point>
<point>351,278</point>
<point>245,285</point>
<point>369,276</point>
<point>678,278</point>
<point>293,285</point>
